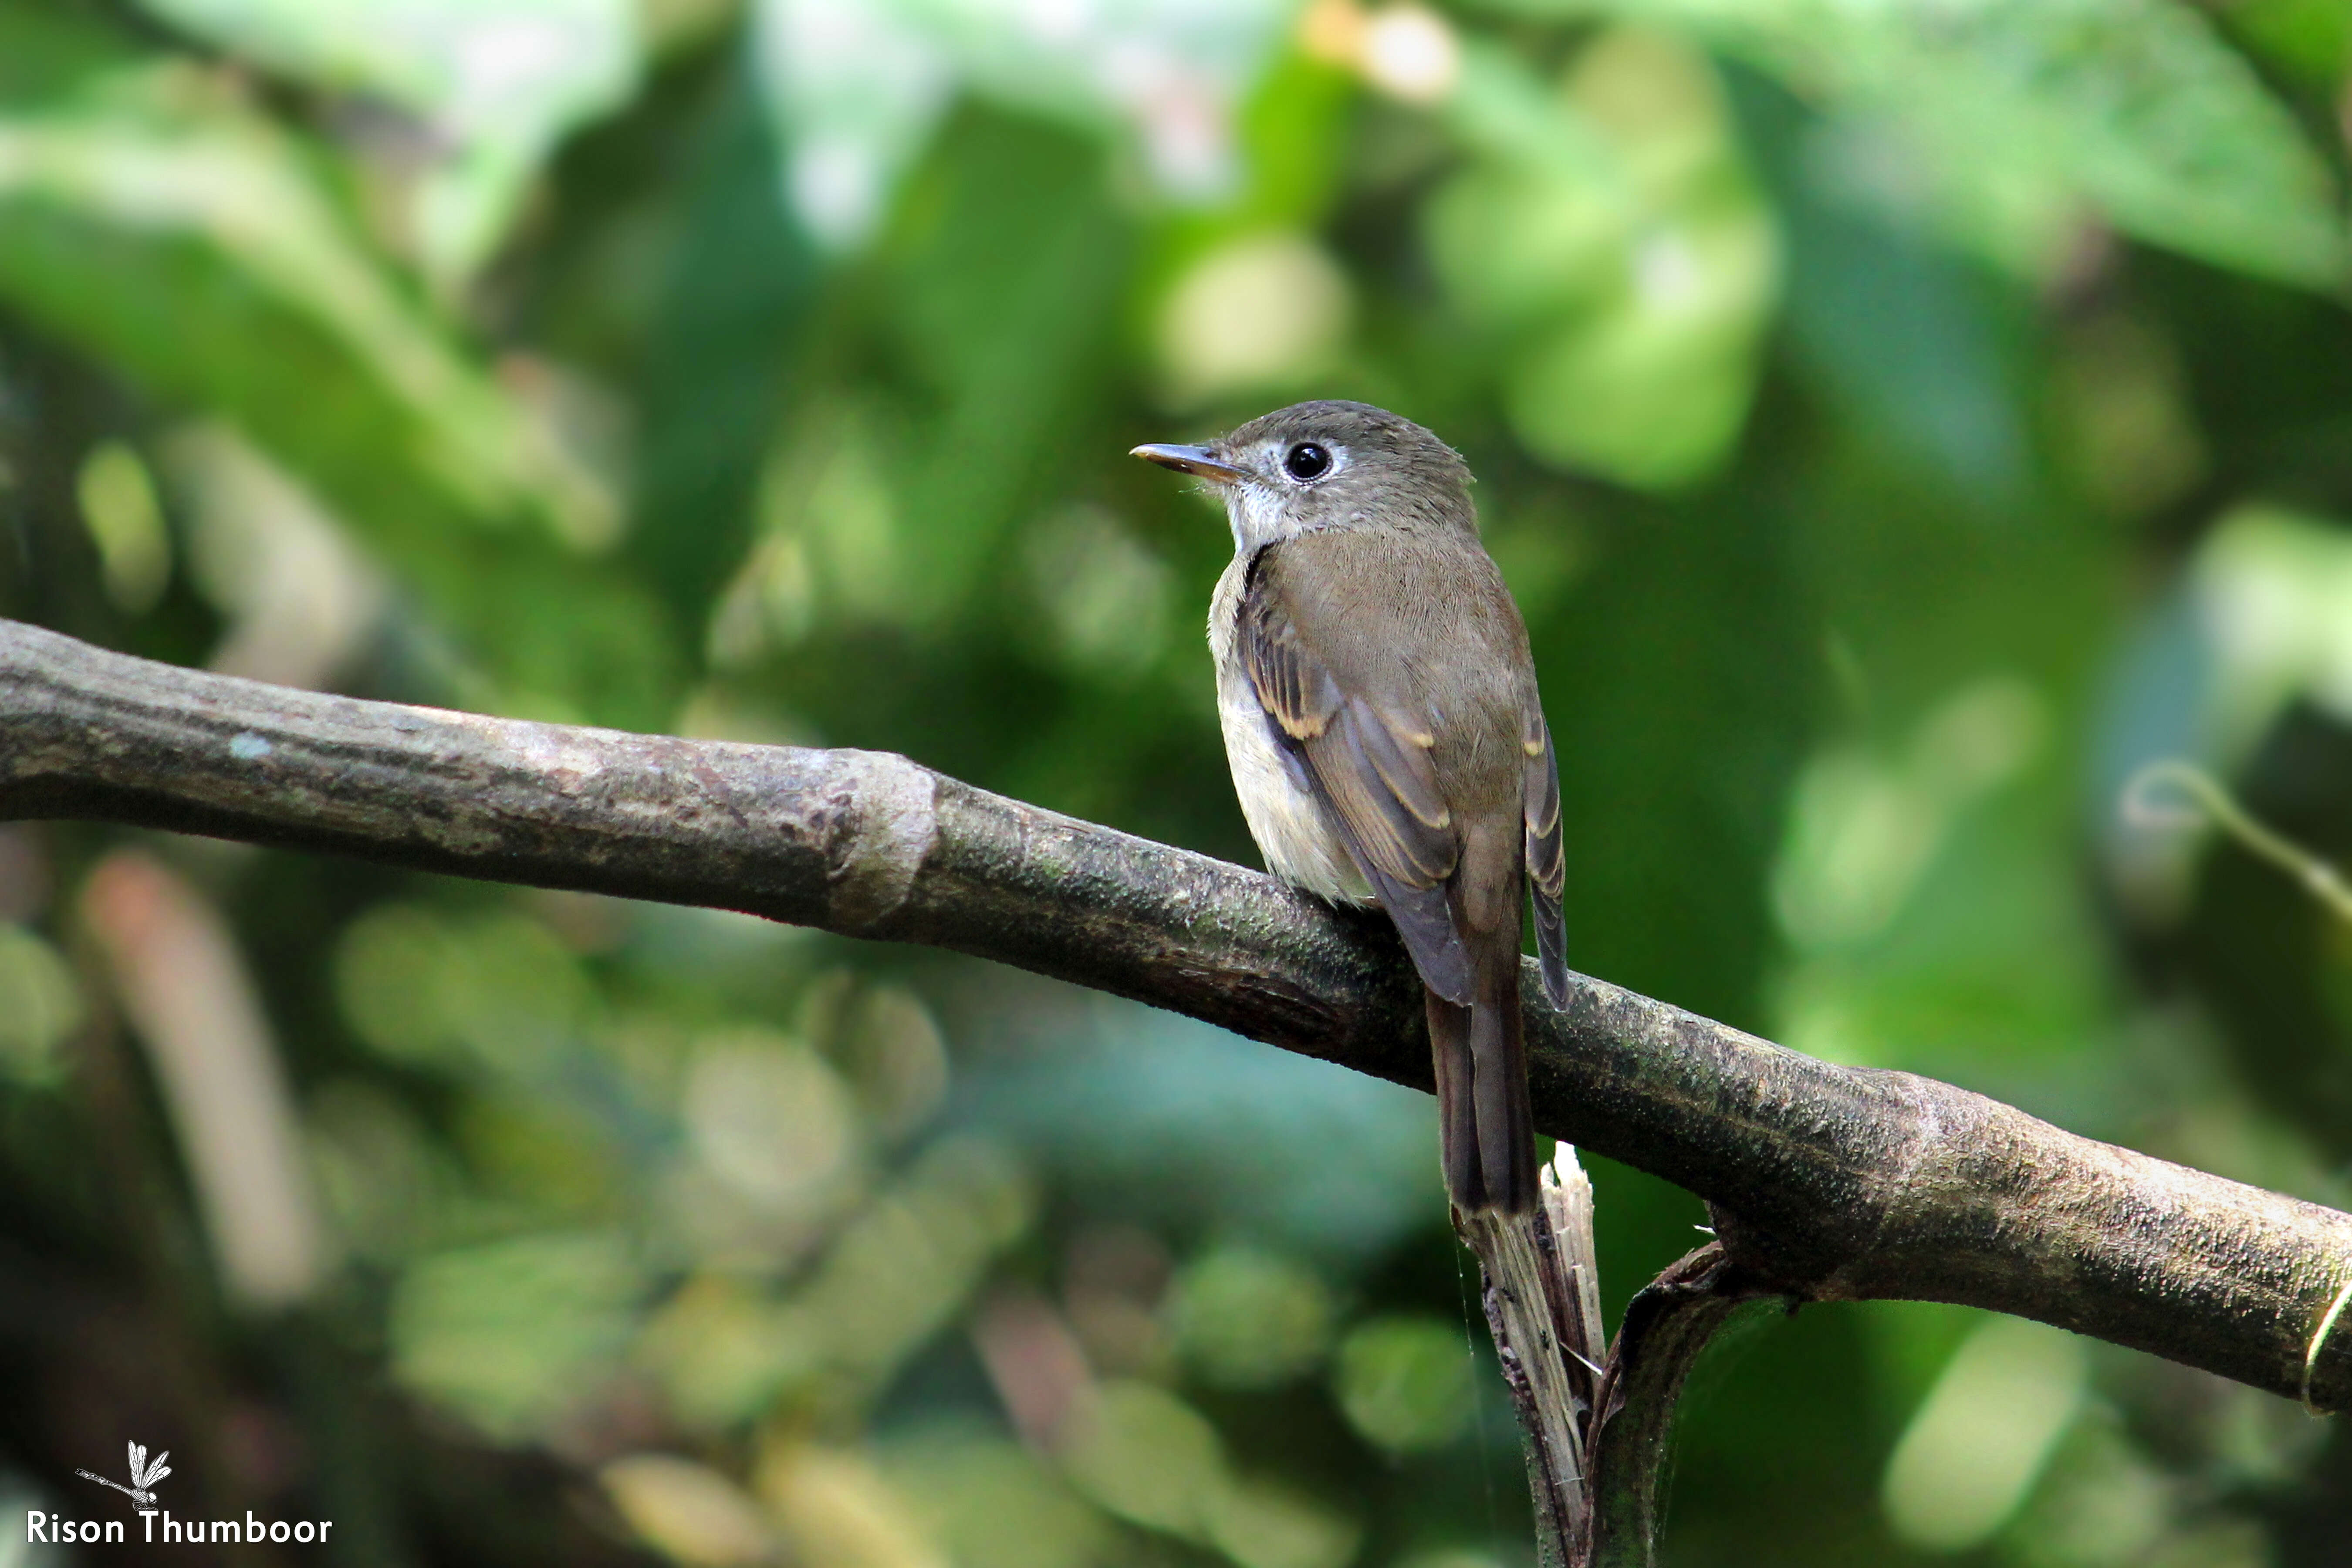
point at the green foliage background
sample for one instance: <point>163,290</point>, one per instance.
<point>1902,424</point>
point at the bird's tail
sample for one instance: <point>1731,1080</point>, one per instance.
<point>1485,1127</point>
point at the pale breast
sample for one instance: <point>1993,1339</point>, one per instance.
<point>1300,843</point>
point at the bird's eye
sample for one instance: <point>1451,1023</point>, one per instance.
<point>1307,461</point>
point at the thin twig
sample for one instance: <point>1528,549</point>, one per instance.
<point>2214,801</point>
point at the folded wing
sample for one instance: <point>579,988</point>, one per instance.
<point>1547,856</point>
<point>1373,770</point>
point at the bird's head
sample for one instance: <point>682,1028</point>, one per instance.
<point>1328,465</point>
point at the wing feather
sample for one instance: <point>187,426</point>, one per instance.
<point>1547,853</point>
<point>1374,772</point>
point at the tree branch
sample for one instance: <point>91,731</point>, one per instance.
<point>1829,1183</point>
<point>1667,1327</point>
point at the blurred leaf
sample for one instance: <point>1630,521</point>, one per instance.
<point>992,1503</point>
<point>1294,134</point>
<point>2027,110</point>
<point>497,82</point>
<point>1923,883</point>
<point>692,1513</point>
<point>301,600</point>
<point>1405,1383</point>
<point>1915,344</point>
<point>1979,1441</point>
<point>388,1184</point>
<point>859,85</point>
<point>1294,130</point>
<point>722,1351</point>
<point>889,1045</point>
<point>1247,1318</point>
<point>546,1153</point>
<point>2133,437</point>
<point>1991,974</point>
<point>514,1334</point>
<point>853,89</point>
<point>2106,1501</point>
<point>1260,1525</point>
<point>1007,275</point>
<point>161,178</point>
<point>770,1118</point>
<point>838,1511</point>
<point>2274,592</point>
<point>386,968</point>
<point>888,1278</point>
<point>189,242</point>
<point>125,518</point>
<point>1103,595</point>
<point>898,1273</point>
<point>47,52</point>
<point>833,548</point>
<point>1167,1118</point>
<point>1001,280</point>
<point>1148,1457</point>
<point>1264,313</point>
<point>1863,830</point>
<point>40,1004</point>
<point>1612,245</point>
<point>2312,38</point>
<point>498,994</point>
<point>738,282</point>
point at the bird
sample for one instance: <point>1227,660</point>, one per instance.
<point>1386,738</point>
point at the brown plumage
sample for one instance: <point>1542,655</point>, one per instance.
<point>1386,737</point>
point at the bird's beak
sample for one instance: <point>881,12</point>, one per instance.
<point>1192,460</point>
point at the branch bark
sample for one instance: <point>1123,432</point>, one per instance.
<point>1667,1326</point>
<point>1828,1182</point>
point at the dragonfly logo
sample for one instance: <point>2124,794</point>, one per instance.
<point>143,1476</point>
<point>49,1528</point>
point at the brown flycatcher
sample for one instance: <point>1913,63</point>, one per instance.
<point>1381,722</point>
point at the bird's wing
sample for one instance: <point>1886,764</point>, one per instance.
<point>1546,850</point>
<point>1373,769</point>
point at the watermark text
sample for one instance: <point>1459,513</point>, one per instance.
<point>56,1529</point>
